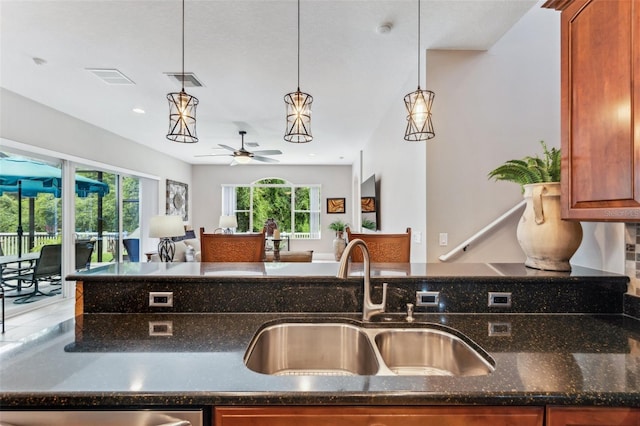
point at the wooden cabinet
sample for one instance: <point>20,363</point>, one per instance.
<point>600,109</point>
<point>592,416</point>
<point>379,416</point>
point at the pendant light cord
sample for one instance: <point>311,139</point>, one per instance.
<point>298,45</point>
<point>418,44</point>
<point>183,45</point>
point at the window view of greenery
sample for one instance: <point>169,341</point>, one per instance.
<point>290,206</point>
<point>42,217</point>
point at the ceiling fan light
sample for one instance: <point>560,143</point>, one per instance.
<point>419,125</point>
<point>182,117</point>
<point>298,106</point>
<point>242,159</point>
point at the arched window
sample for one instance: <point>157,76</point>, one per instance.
<point>295,208</point>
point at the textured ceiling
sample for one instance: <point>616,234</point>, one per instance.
<point>244,52</point>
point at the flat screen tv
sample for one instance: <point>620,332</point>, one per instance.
<point>369,203</point>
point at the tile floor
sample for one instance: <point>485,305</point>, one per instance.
<point>30,322</point>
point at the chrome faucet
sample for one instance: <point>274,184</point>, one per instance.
<point>369,309</point>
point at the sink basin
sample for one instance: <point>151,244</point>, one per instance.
<point>429,352</point>
<point>293,348</point>
<point>312,349</point>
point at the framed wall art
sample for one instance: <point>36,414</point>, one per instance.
<point>178,199</point>
<point>336,205</point>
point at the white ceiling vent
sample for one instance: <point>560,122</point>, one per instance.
<point>190,79</point>
<point>110,76</point>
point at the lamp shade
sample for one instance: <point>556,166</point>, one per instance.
<point>166,226</point>
<point>228,222</point>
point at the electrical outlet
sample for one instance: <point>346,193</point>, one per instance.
<point>417,237</point>
<point>161,298</point>
<point>444,239</point>
<point>160,328</point>
<point>499,299</point>
<point>427,298</point>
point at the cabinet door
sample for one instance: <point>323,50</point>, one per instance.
<point>600,137</point>
<point>592,416</point>
<point>379,416</point>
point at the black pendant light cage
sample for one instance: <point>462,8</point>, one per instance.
<point>418,104</point>
<point>298,106</point>
<point>182,109</point>
<point>419,125</point>
<point>298,117</point>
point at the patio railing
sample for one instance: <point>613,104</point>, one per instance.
<point>9,240</point>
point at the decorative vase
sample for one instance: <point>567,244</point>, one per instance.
<point>339,245</point>
<point>546,239</point>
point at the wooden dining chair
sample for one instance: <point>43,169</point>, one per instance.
<point>231,247</point>
<point>383,248</point>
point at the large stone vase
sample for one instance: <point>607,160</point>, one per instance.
<point>339,244</point>
<point>546,239</point>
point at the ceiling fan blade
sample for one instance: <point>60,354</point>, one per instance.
<point>268,152</point>
<point>227,147</point>
<point>213,155</point>
<point>265,159</point>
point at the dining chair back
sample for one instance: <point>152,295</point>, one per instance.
<point>231,247</point>
<point>383,248</point>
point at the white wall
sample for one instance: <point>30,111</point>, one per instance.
<point>490,107</point>
<point>28,122</point>
<point>399,167</point>
<point>207,194</point>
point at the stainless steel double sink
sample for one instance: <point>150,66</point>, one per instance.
<point>335,348</point>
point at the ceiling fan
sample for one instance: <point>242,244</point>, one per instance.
<point>243,156</point>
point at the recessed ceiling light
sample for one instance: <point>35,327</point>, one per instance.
<point>313,154</point>
<point>384,28</point>
<point>138,110</point>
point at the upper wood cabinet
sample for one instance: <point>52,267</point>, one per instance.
<point>600,109</point>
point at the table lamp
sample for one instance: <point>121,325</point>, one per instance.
<point>228,222</point>
<point>166,227</point>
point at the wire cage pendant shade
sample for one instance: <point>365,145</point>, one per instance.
<point>298,117</point>
<point>182,109</point>
<point>298,105</point>
<point>419,124</point>
<point>418,104</point>
<point>182,117</point>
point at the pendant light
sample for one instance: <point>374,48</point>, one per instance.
<point>182,109</point>
<point>298,106</point>
<point>418,104</point>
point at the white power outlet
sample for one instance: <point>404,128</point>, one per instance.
<point>444,239</point>
<point>417,237</point>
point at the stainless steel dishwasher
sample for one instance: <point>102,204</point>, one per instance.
<point>102,418</point>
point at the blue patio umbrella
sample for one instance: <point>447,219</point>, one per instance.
<point>30,178</point>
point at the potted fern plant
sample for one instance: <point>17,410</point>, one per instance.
<point>546,239</point>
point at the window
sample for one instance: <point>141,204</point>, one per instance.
<point>295,208</point>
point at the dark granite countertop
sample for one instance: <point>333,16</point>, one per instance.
<point>110,360</point>
<point>565,340</point>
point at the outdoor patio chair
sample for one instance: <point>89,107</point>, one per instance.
<point>48,268</point>
<point>383,248</point>
<point>84,250</point>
